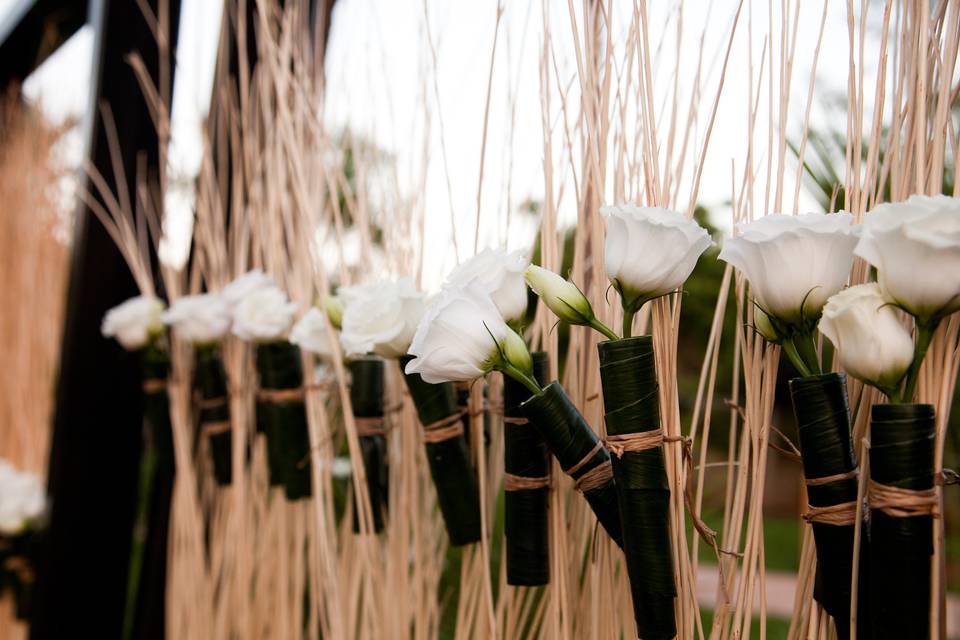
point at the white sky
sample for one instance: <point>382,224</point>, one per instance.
<point>380,76</point>
<point>380,72</point>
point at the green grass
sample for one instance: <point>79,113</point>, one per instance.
<point>776,628</point>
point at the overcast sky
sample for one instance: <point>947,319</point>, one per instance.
<point>380,76</point>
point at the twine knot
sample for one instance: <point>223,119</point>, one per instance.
<point>897,502</point>
<point>513,482</point>
<point>444,429</point>
<point>370,426</point>
<point>281,396</point>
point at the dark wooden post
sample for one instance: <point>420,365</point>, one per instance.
<point>97,433</point>
<point>32,30</point>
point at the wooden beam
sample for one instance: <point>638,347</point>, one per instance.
<point>32,30</point>
<point>81,585</point>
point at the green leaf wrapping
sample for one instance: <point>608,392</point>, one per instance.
<point>570,439</point>
<point>18,564</point>
<point>156,474</point>
<point>525,455</point>
<point>453,474</point>
<point>284,420</point>
<point>823,420</point>
<point>628,376</point>
<point>366,397</point>
<point>155,365</point>
<point>210,381</point>
<point>901,455</point>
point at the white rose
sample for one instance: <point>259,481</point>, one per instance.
<point>264,315</point>
<point>561,296</point>
<point>794,261</point>
<point>22,499</point>
<point>135,322</point>
<point>500,275</point>
<point>871,342</point>
<point>246,284</point>
<point>915,246</point>
<point>461,337</point>
<point>310,333</point>
<point>380,317</point>
<point>649,252</point>
<point>341,467</point>
<point>200,319</point>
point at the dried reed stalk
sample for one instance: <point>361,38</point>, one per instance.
<point>33,276</point>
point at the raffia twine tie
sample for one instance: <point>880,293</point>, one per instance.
<point>154,385</point>
<point>512,482</point>
<point>370,426</point>
<point>638,441</point>
<point>516,421</point>
<point>838,515</point>
<point>643,440</point>
<point>215,427</point>
<point>902,503</point>
<point>595,478</point>
<point>19,566</point>
<point>444,429</point>
<point>281,396</point>
<point>211,403</point>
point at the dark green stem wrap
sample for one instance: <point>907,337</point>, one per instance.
<point>155,364</point>
<point>525,455</point>
<point>366,397</point>
<point>18,565</point>
<point>284,418</point>
<point>823,421</point>
<point>901,455</point>
<point>628,375</point>
<point>453,475</point>
<point>210,381</point>
<point>571,440</point>
<point>155,477</point>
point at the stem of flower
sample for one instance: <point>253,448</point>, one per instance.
<point>790,349</point>
<point>925,332</point>
<point>893,395</point>
<point>525,379</point>
<point>807,349</point>
<point>602,328</point>
<point>628,323</point>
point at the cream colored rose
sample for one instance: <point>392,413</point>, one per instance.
<point>650,251</point>
<point>264,315</point>
<point>200,319</point>
<point>310,333</point>
<point>871,341</point>
<point>246,284</point>
<point>462,337</point>
<point>793,263</point>
<point>134,323</point>
<point>500,275</point>
<point>380,317</point>
<point>915,246</point>
<point>22,499</point>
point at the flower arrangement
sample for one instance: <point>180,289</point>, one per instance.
<point>245,560</point>
<point>866,325</point>
<point>648,253</point>
<point>23,506</point>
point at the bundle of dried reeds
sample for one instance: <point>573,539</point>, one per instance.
<point>33,269</point>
